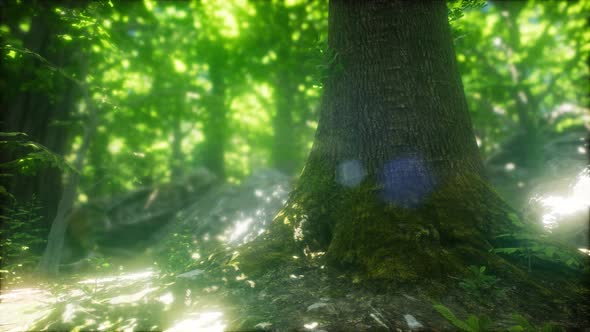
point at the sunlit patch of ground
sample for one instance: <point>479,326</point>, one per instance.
<point>20,307</point>
<point>78,304</point>
<point>109,282</point>
<point>287,299</point>
<point>134,301</point>
<point>204,321</point>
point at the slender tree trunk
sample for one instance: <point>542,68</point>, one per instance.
<point>215,128</point>
<point>393,186</point>
<point>49,263</point>
<point>176,157</point>
<point>284,149</point>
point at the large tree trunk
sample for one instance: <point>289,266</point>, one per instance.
<point>393,186</point>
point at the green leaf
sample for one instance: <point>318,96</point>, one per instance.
<point>448,314</point>
<point>515,219</point>
<point>473,323</point>
<point>485,323</point>
<point>548,327</point>
<point>522,322</point>
<point>12,134</point>
<point>549,251</point>
<point>506,250</point>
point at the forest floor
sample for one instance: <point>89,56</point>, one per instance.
<point>138,296</point>
<point>290,299</point>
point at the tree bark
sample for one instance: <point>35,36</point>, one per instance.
<point>393,186</point>
<point>398,92</point>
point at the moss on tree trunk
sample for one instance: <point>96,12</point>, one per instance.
<point>360,232</point>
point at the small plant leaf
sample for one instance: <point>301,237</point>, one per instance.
<point>450,316</point>
<point>515,219</point>
<point>473,323</point>
<point>522,322</point>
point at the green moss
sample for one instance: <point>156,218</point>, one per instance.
<point>382,241</point>
<point>466,208</point>
<point>268,252</point>
<point>453,229</point>
<point>375,240</point>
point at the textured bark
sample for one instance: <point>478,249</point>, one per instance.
<point>397,93</point>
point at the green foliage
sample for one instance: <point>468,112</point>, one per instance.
<point>537,247</point>
<point>544,252</point>
<point>176,252</point>
<point>532,56</point>
<point>483,323</point>
<point>457,8</point>
<point>478,283</point>
<point>100,263</point>
<point>522,324</point>
<point>159,90</point>
<point>21,237</point>
<point>530,244</point>
<point>327,63</point>
<point>471,324</point>
<point>30,156</point>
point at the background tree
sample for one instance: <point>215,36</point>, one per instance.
<point>293,39</point>
<point>532,57</point>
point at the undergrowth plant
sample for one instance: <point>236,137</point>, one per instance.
<point>176,253</point>
<point>483,323</point>
<point>22,236</point>
<point>19,234</point>
<point>478,283</point>
<point>471,324</point>
<point>532,246</point>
